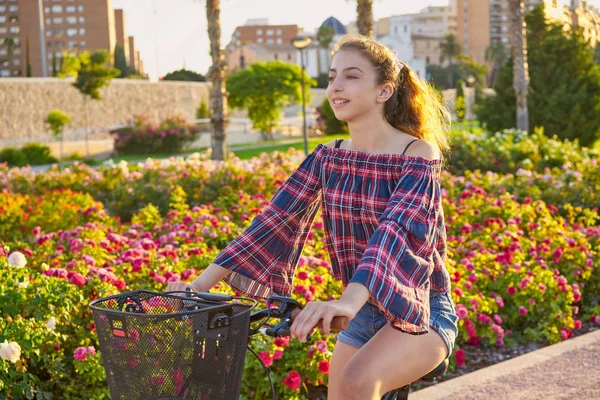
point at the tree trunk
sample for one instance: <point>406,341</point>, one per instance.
<point>520,67</point>
<point>217,77</point>
<point>364,22</point>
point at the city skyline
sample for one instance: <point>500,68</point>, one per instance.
<point>182,32</point>
<point>189,44</point>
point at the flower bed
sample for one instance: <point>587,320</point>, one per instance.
<point>523,270</point>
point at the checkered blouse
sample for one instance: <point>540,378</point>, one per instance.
<point>384,227</point>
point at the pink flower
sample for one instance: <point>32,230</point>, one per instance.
<point>460,357</point>
<point>577,324</point>
<point>522,310</point>
<point>322,346</point>
<point>78,279</point>
<point>324,366</point>
<point>511,290</point>
<point>293,380</point>
<point>157,380</point>
<point>80,353</point>
<point>277,354</point>
<point>542,287</point>
<point>319,279</point>
<point>499,301</point>
<point>266,358</point>
<point>498,319</point>
<point>461,311</point>
<point>300,289</point>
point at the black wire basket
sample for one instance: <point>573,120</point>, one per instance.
<point>159,346</point>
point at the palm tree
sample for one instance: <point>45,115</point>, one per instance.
<point>217,78</point>
<point>10,44</point>
<point>495,54</point>
<point>364,21</point>
<point>520,68</point>
<point>449,50</point>
<point>324,37</point>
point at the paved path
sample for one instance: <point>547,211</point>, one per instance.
<point>566,370</point>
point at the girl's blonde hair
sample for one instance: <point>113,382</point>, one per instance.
<point>416,107</point>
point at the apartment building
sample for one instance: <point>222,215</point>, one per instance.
<point>58,25</point>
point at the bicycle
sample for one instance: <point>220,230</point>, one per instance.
<point>191,345</point>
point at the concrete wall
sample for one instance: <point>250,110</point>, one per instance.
<point>25,103</point>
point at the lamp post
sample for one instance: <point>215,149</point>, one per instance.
<point>300,43</point>
<point>471,81</point>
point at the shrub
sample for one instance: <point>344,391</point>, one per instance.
<point>171,136</point>
<point>332,124</point>
<point>30,154</point>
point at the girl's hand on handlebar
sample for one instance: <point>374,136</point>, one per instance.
<point>315,311</point>
<point>178,286</point>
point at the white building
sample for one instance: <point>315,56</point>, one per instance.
<point>399,39</point>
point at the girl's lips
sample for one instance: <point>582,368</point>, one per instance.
<point>340,105</point>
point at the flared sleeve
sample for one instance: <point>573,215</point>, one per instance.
<point>263,258</point>
<point>402,252</point>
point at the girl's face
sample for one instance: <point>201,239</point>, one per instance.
<point>352,91</point>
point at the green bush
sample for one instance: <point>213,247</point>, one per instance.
<point>30,154</point>
<point>332,124</point>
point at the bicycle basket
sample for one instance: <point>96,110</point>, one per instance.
<point>165,346</point>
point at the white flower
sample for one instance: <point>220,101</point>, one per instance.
<point>51,324</point>
<point>17,260</point>
<point>22,285</point>
<point>10,351</point>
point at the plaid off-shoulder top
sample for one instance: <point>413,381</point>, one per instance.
<point>384,227</point>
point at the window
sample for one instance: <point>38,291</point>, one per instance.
<point>259,32</point>
<point>80,8</point>
<point>278,32</point>
<point>59,32</point>
<point>2,8</point>
<point>2,29</point>
<point>73,43</point>
<point>405,28</point>
<point>16,61</point>
<point>82,43</point>
<point>56,9</point>
<point>14,29</point>
<point>57,20</point>
<point>270,32</point>
<point>259,40</point>
<point>2,18</point>
<point>82,31</point>
<point>71,32</point>
<point>237,42</point>
<point>3,52</point>
<point>4,73</point>
<point>270,41</point>
<point>81,20</point>
<point>70,9</point>
<point>13,8</point>
<point>279,41</point>
<point>48,32</point>
<point>46,10</point>
<point>395,30</point>
<point>71,20</point>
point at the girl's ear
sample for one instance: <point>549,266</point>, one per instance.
<point>386,91</point>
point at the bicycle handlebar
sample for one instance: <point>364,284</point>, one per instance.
<point>337,323</point>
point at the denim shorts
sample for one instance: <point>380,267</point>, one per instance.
<point>370,320</point>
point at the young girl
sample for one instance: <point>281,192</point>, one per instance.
<point>384,223</point>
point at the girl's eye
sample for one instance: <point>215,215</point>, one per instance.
<point>331,78</point>
<point>350,77</point>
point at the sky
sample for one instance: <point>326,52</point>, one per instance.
<point>170,37</point>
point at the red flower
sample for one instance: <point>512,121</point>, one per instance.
<point>293,380</point>
<point>460,357</point>
<point>324,366</point>
<point>266,358</point>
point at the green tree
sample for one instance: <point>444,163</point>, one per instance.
<point>27,58</point>
<point>324,38</point>
<point>332,124</point>
<point>184,75</point>
<point>564,91</point>
<point>264,89</point>
<point>91,74</point>
<point>449,50</point>
<point>459,103</point>
<point>56,121</point>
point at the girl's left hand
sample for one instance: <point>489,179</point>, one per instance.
<point>317,310</point>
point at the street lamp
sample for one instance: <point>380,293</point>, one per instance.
<point>471,81</point>
<point>301,43</point>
